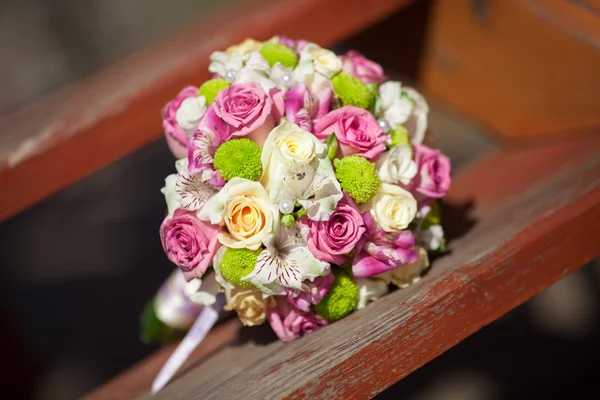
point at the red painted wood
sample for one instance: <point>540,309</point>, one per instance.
<point>80,129</point>
<point>531,228</point>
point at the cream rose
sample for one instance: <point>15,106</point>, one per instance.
<point>397,165</point>
<point>249,305</point>
<point>409,274</point>
<point>393,208</point>
<point>190,112</point>
<point>243,48</point>
<point>314,58</point>
<point>245,209</point>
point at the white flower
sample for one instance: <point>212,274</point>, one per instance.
<point>369,290</point>
<point>397,165</point>
<point>282,77</point>
<point>218,257</point>
<point>285,263</point>
<point>243,48</point>
<point>406,275</point>
<point>314,58</point>
<point>203,290</point>
<point>190,112</point>
<point>221,63</point>
<point>392,207</point>
<point>431,238</point>
<point>256,62</point>
<point>403,106</point>
<point>244,207</point>
<point>296,168</point>
<point>185,190</point>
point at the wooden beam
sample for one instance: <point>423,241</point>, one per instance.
<point>70,134</point>
<point>519,221</point>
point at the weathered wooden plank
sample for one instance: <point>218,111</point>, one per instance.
<point>530,224</point>
<point>66,136</point>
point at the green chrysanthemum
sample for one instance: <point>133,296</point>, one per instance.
<point>274,52</point>
<point>239,158</point>
<point>237,263</point>
<point>400,136</point>
<point>211,88</point>
<point>352,91</point>
<point>358,177</point>
<point>340,300</point>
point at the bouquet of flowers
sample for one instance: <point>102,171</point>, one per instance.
<point>303,186</point>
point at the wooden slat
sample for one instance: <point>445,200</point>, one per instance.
<point>525,69</point>
<point>64,137</point>
<point>532,221</point>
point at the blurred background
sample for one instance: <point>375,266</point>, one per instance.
<point>78,267</point>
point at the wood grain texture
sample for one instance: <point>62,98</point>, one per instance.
<point>528,70</point>
<point>524,231</point>
<point>66,136</point>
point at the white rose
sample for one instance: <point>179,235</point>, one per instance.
<point>243,48</point>
<point>393,207</point>
<point>245,209</point>
<point>397,165</point>
<point>406,275</point>
<point>369,290</point>
<point>316,58</point>
<point>190,112</point>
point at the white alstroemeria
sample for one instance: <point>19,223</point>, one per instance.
<point>186,190</point>
<point>218,257</point>
<point>369,290</point>
<point>409,274</point>
<point>203,290</point>
<point>296,168</point>
<point>431,238</point>
<point>191,191</point>
<point>190,112</point>
<point>225,65</point>
<point>282,77</point>
<point>285,263</point>
<point>256,62</point>
<point>403,106</point>
<point>250,76</point>
<point>314,58</point>
<point>397,166</point>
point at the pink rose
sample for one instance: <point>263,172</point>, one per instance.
<point>177,140</point>
<point>303,107</point>
<point>289,323</point>
<point>361,67</point>
<point>383,251</point>
<point>332,240</point>
<point>189,243</point>
<point>356,130</point>
<point>248,110</point>
<point>433,179</point>
<point>311,293</point>
<point>296,45</point>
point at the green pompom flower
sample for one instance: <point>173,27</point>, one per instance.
<point>352,91</point>
<point>211,88</point>
<point>340,300</point>
<point>237,263</point>
<point>275,52</point>
<point>400,136</point>
<point>239,158</point>
<point>358,177</point>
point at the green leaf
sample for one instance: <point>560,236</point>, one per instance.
<point>332,146</point>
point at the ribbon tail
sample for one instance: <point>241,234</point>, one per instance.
<point>205,321</point>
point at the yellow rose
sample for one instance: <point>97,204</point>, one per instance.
<point>249,305</point>
<point>406,275</point>
<point>393,208</point>
<point>247,46</point>
<point>244,207</point>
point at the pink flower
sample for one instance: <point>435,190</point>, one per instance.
<point>289,323</point>
<point>189,243</point>
<point>303,107</point>
<point>356,130</point>
<point>296,45</point>
<point>383,251</point>
<point>433,179</point>
<point>312,292</point>
<point>248,110</point>
<point>361,67</point>
<point>177,140</point>
<point>332,240</point>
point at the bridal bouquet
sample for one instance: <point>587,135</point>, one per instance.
<point>303,189</point>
